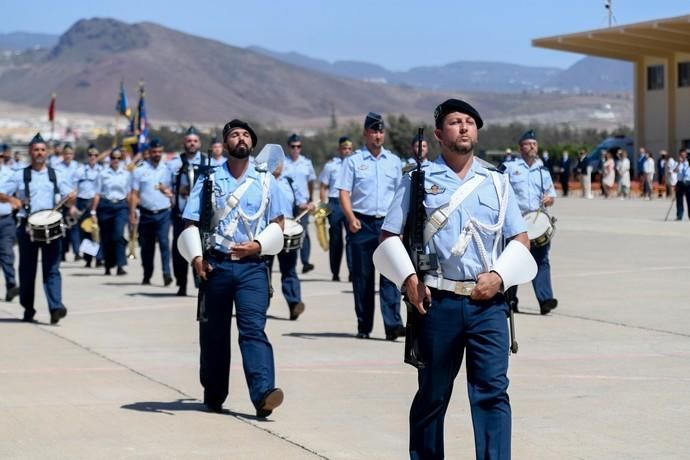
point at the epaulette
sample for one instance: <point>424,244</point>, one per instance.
<point>489,166</point>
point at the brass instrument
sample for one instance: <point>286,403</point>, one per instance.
<point>321,222</point>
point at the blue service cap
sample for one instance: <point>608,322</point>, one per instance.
<point>294,137</point>
<point>155,143</point>
<point>192,131</point>
<point>528,135</point>
<point>37,139</point>
<point>374,121</point>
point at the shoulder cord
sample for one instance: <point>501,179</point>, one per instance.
<point>474,227</point>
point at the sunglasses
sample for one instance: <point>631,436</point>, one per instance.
<point>296,146</point>
<point>115,158</point>
<point>92,154</point>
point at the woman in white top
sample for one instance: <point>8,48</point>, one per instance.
<point>671,176</point>
<point>609,178</point>
<point>623,168</point>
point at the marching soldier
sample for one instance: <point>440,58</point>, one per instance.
<point>216,151</point>
<point>471,210</point>
<point>152,194</point>
<point>367,182</point>
<point>301,170</point>
<point>412,160</point>
<point>336,218</point>
<point>287,260</point>
<point>8,235</point>
<point>86,181</point>
<point>68,168</point>
<point>36,188</point>
<point>185,170</point>
<point>534,190</point>
<point>249,215</point>
<point>110,204</point>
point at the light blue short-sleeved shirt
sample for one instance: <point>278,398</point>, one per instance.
<point>482,204</point>
<point>530,184</point>
<point>219,161</point>
<point>17,165</point>
<point>683,172</point>
<point>288,195</point>
<point>329,175</point>
<point>69,171</point>
<point>6,174</point>
<point>174,166</point>
<point>371,181</point>
<point>114,185</point>
<point>301,171</point>
<point>146,180</point>
<point>40,188</point>
<point>86,180</point>
<point>250,202</point>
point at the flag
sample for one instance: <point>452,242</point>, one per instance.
<point>51,109</point>
<point>121,107</point>
<point>142,128</point>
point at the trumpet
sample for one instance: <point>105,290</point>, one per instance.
<point>321,222</point>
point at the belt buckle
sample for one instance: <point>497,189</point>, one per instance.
<point>464,288</point>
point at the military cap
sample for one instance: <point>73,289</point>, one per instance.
<point>456,105</point>
<point>232,124</point>
<point>527,135</point>
<point>37,139</point>
<point>374,121</point>
<point>192,131</point>
<point>4,147</point>
<point>155,143</point>
<point>215,140</point>
<point>294,137</point>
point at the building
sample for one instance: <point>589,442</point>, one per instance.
<point>660,52</point>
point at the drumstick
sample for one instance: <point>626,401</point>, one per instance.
<point>302,214</point>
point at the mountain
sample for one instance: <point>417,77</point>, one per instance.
<point>590,74</point>
<point>20,41</point>
<point>193,79</point>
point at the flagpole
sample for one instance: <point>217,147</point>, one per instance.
<point>117,127</point>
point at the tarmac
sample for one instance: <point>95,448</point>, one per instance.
<point>605,376</point>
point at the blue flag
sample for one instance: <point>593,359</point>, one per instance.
<point>121,106</point>
<point>142,122</point>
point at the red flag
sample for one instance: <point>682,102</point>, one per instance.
<point>51,109</point>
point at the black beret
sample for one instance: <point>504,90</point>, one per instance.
<point>456,105</point>
<point>192,131</point>
<point>527,135</point>
<point>343,139</point>
<point>232,124</point>
<point>374,121</point>
<point>155,143</point>
<point>294,137</point>
<point>37,139</point>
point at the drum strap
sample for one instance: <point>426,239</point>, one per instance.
<point>290,180</point>
<point>27,180</point>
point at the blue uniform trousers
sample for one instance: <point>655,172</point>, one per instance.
<point>180,265</point>
<point>682,193</point>
<point>244,285</point>
<point>51,253</point>
<point>112,218</point>
<point>152,228</point>
<point>364,242</point>
<point>305,251</point>
<point>8,234</point>
<point>542,282</point>
<point>289,282</point>
<point>336,223</point>
<point>453,325</point>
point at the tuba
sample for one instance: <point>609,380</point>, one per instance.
<point>321,222</point>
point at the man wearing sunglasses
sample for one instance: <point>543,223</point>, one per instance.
<point>85,180</point>
<point>185,169</point>
<point>300,171</point>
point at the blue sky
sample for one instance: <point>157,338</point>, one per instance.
<point>396,34</point>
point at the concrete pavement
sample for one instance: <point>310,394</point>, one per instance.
<point>606,376</point>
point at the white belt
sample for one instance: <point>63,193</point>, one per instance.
<point>463,288</point>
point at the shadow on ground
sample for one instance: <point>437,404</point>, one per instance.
<point>184,404</point>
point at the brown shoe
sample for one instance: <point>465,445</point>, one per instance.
<point>273,399</point>
<point>296,310</point>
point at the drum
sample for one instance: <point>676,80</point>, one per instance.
<point>45,226</point>
<point>540,227</point>
<point>293,235</point>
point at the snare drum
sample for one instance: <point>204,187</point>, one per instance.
<point>293,236</point>
<point>45,226</point>
<point>540,227</point>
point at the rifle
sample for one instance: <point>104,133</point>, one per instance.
<point>413,239</point>
<point>206,232</point>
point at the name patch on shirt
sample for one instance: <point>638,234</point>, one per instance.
<point>363,167</point>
